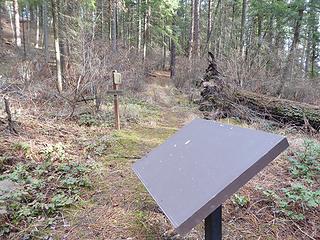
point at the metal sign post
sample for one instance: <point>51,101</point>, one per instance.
<point>213,225</point>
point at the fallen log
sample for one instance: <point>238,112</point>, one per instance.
<point>221,99</point>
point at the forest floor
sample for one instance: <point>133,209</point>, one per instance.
<point>115,205</point>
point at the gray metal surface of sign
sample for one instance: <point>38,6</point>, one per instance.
<point>202,165</point>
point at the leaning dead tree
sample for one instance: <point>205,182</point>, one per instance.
<point>221,99</point>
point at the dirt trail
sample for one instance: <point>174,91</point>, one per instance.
<point>120,207</point>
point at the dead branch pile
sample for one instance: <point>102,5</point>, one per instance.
<point>221,99</point>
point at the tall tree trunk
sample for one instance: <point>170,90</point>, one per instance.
<point>38,27</point>
<point>146,29</point>
<point>287,71</point>
<point>139,26</point>
<point>149,36</point>
<point>118,27</point>
<point>223,42</point>
<point>209,24</point>
<point>1,19</point>
<point>197,28</point>
<point>314,54</point>
<point>214,28</point>
<point>260,32</point>
<point>131,31</point>
<point>233,26</point>
<point>173,49</point>
<point>11,22</point>
<point>315,38</point>
<point>313,59</point>
<point>45,29</point>
<point>106,20</point>
<point>55,18</point>
<point>164,51</point>
<point>191,34</point>
<point>27,21</point>
<point>125,26</point>
<point>113,26</point>
<point>307,53</point>
<point>271,33</point>
<point>100,19</point>
<point>219,31</point>
<point>184,40</point>
<point>17,34</point>
<point>24,38</point>
<point>243,26</point>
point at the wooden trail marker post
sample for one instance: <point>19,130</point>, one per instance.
<point>195,171</point>
<point>117,80</point>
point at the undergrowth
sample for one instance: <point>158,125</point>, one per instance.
<point>43,188</point>
<point>303,193</point>
<point>132,110</point>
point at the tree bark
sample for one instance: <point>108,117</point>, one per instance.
<point>1,19</point>
<point>100,19</point>
<point>218,48</point>
<point>243,26</point>
<point>56,43</point>
<point>315,38</point>
<point>17,33</point>
<point>27,20</point>
<point>37,27</point>
<point>287,71</point>
<point>214,28</point>
<point>139,26</point>
<point>173,49</point>
<point>191,34</point>
<point>11,23</point>
<point>45,29</point>
<point>24,38</point>
<point>197,28</point>
<point>145,29</point>
<point>220,99</point>
<point>164,52</point>
<point>146,33</point>
<point>113,26</point>
<point>209,24</point>
<point>307,53</point>
<point>313,59</point>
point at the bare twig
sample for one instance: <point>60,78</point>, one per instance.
<point>303,231</point>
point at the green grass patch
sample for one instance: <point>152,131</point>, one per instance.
<point>142,227</point>
<point>134,110</point>
<point>132,143</point>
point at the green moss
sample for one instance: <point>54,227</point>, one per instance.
<point>133,143</point>
<point>142,226</point>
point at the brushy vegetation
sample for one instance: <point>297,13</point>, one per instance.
<point>132,110</point>
<point>303,194</point>
<point>43,188</point>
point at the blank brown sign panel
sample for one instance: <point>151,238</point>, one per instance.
<point>202,165</point>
